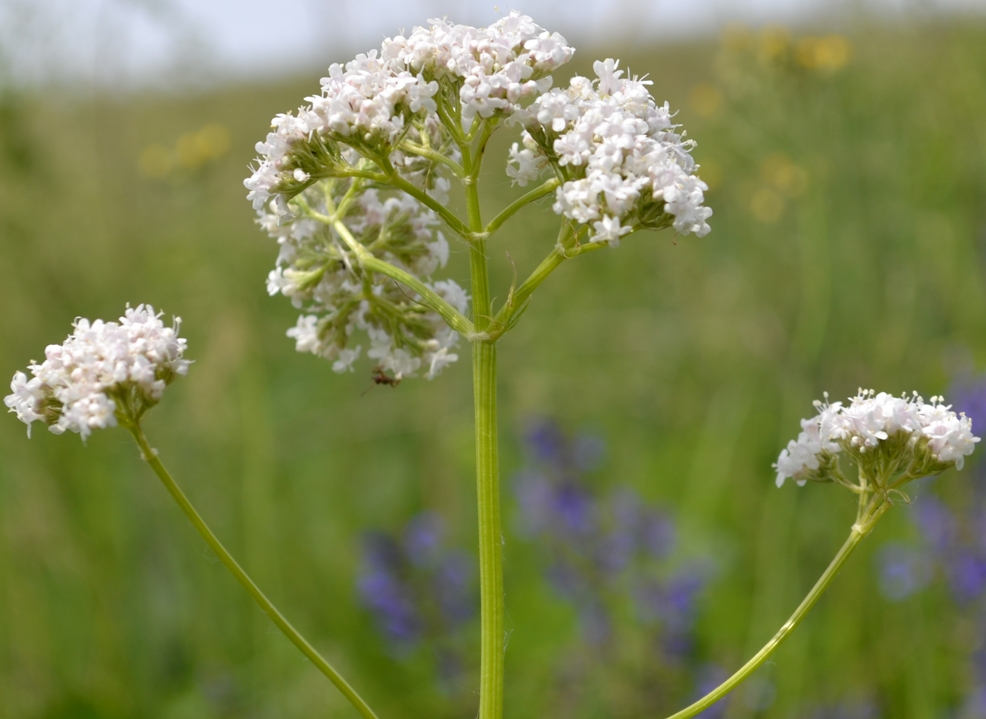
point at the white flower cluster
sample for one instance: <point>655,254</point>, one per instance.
<point>100,369</point>
<point>915,437</point>
<point>494,68</point>
<point>318,272</point>
<point>381,99</point>
<point>624,165</point>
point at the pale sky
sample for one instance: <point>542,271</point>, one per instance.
<point>136,42</point>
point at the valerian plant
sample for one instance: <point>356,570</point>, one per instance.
<point>354,188</point>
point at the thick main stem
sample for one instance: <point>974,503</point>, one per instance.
<point>487,460</point>
<point>488,497</point>
<point>490,537</point>
<point>871,512</point>
<point>150,456</point>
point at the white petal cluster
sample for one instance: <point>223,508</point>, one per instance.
<point>625,165</point>
<point>381,98</point>
<point>81,381</point>
<point>316,270</point>
<point>870,422</point>
<point>494,68</point>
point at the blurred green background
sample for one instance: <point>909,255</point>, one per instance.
<point>848,179</point>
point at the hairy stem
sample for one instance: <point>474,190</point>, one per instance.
<point>872,509</point>
<point>150,456</point>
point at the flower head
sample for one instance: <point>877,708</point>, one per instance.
<point>317,270</point>
<point>350,161</point>
<point>891,439</point>
<point>102,373</point>
<point>625,166</point>
<point>384,102</point>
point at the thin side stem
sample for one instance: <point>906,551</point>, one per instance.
<point>432,155</point>
<point>455,319</point>
<point>872,512</point>
<point>150,456</point>
<point>519,296</point>
<point>510,210</point>
<point>454,223</point>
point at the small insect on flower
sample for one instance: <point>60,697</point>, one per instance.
<point>381,377</point>
<point>104,374</point>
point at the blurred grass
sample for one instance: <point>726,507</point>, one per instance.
<point>849,231</point>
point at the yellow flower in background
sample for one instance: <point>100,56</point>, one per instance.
<point>198,148</point>
<point>191,151</point>
<point>782,178</point>
<point>705,100</point>
<point>773,44</point>
<point>825,54</point>
<point>779,170</point>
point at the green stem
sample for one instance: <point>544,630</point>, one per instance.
<point>510,210</point>
<point>150,456</point>
<point>518,297</point>
<point>490,535</point>
<point>429,297</point>
<point>487,470</point>
<point>432,155</point>
<point>454,223</point>
<point>864,525</point>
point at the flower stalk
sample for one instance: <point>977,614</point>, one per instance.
<point>150,456</point>
<point>870,510</point>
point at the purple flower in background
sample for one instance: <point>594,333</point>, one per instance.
<point>547,442</point>
<point>601,552</point>
<point>969,396</point>
<point>382,589</point>
<point>952,547</point>
<point>417,589</point>
<point>903,570</point>
<point>967,575</point>
<point>936,522</point>
<point>422,538</point>
<point>968,393</point>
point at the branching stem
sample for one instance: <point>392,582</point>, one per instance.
<point>510,210</point>
<point>431,299</point>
